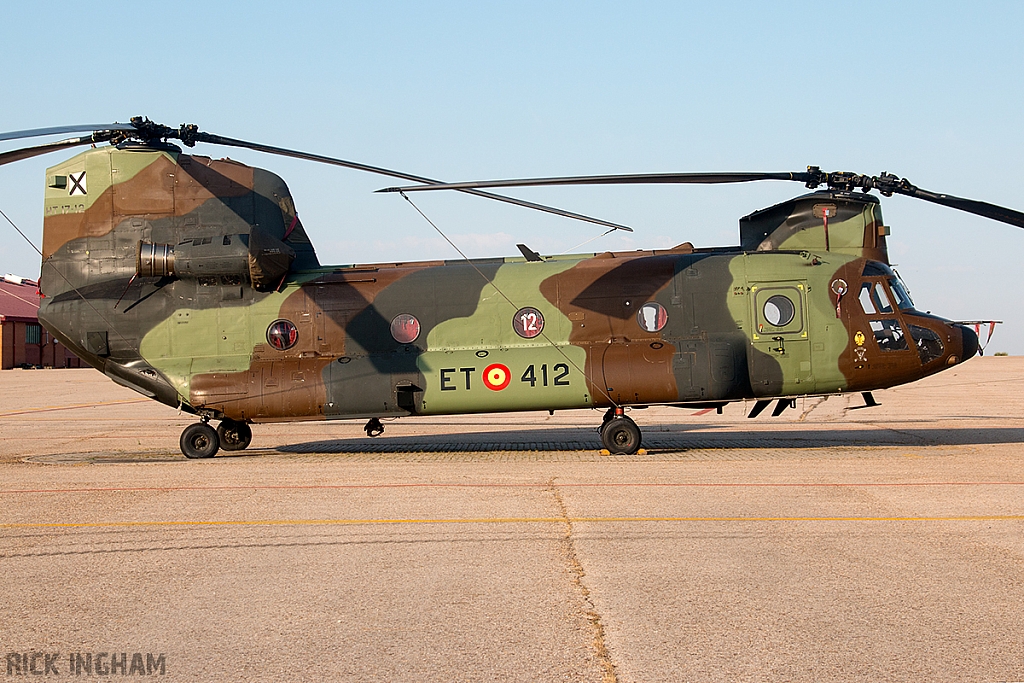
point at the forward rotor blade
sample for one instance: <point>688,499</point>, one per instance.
<point>842,181</point>
<point>625,179</point>
<point>29,152</point>
<point>232,142</point>
<point>978,208</point>
<point>60,130</point>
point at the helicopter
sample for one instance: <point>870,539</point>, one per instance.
<point>193,282</point>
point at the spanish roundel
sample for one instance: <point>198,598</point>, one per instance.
<point>497,377</point>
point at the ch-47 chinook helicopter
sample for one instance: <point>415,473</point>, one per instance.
<point>193,282</point>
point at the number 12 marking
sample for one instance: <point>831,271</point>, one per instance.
<point>560,370</point>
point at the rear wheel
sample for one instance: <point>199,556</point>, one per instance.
<point>234,436</point>
<point>621,436</point>
<point>199,441</point>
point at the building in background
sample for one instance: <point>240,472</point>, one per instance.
<point>23,341</point>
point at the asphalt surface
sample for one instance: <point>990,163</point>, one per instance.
<point>832,543</point>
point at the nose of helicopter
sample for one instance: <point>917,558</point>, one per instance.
<point>969,344</point>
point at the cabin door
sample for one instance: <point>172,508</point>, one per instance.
<point>780,351</point>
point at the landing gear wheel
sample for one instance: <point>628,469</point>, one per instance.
<point>373,428</point>
<point>609,415</point>
<point>621,436</point>
<point>199,441</point>
<point>234,436</point>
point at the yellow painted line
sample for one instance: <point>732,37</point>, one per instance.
<point>72,407</point>
<point>498,520</point>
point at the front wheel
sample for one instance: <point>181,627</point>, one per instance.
<point>199,441</point>
<point>621,436</point>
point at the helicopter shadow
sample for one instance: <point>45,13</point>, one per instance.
<point>673,440</point>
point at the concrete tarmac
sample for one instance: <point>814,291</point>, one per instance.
<point>831,543</point>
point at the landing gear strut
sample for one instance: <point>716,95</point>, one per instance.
<point>199,441</point>
<point>373,427</point>
<point>619,434</point>
<point>609,415</point>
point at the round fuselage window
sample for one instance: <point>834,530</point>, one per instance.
<point>779,310</point>
<point>282,335</point>
<point>652,316</point>
<point>405,328</point>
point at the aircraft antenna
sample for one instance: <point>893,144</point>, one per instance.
<point>597,237</point>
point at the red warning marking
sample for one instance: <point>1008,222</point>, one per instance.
<point>497,377</point>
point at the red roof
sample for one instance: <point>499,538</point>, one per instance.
<point>19,301</point>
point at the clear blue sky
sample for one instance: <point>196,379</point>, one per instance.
<point>930,91</point>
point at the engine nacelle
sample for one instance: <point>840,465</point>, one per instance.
<point>261,257</point>
<point>195,257</point>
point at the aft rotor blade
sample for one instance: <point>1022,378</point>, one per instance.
<point>29,152</point>
<point>623,179</point>
<point>978,208</point>
<point>60,130</point>
<point>232,142</point>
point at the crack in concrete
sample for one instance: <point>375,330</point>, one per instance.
<point>604,658</point>
<point>815,402</point>
<point>921,440</point>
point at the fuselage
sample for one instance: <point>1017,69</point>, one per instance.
<point>432,338</point>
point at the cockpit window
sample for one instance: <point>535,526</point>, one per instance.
<point>903,299</point>
<point>899,290</point>
<point>881,299</point>
<point>929,345</point>
<point>889,335</point>
<point>865,299</point>
<point>876,269</point>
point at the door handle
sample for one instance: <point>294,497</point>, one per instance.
<point>781,348</point>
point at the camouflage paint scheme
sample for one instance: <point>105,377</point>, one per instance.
<point>200,340</point>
